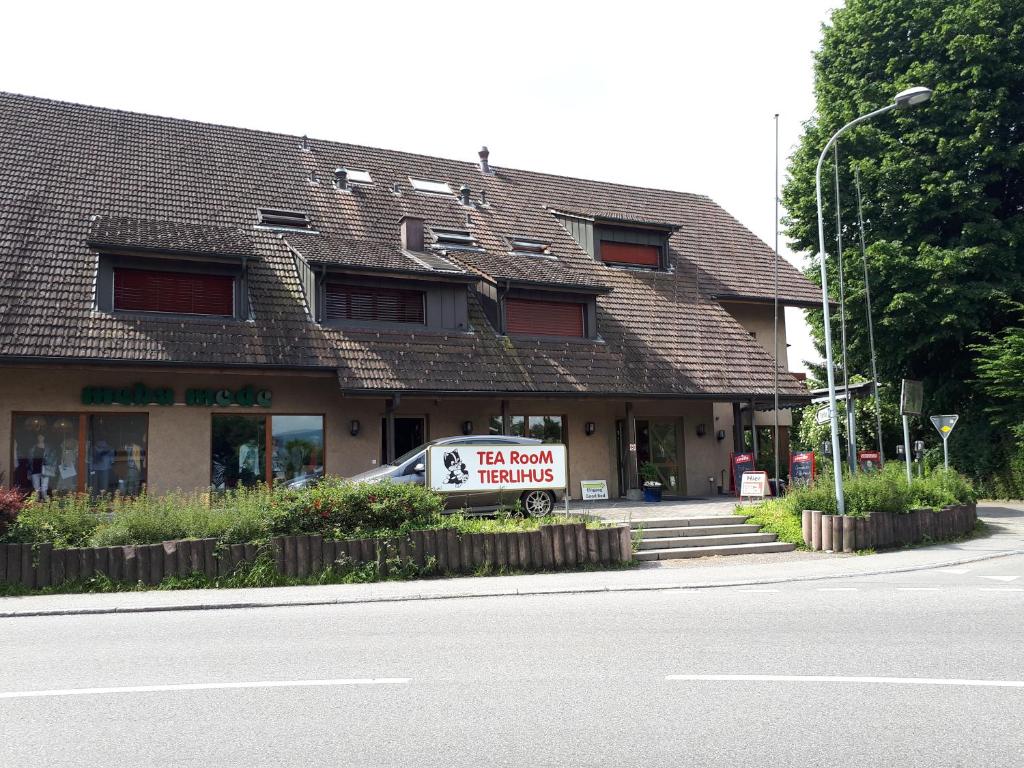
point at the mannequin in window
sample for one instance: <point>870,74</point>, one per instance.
<point>102,462</point>
<point>248,462</point>
<point>133,459</point>
<point>68,469</point>
<point>43,465</point>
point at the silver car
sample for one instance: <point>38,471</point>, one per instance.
<point>411,468</point>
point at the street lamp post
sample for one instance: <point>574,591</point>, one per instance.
<point>904,99</point>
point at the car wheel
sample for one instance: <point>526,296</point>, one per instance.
<point>538,503</point>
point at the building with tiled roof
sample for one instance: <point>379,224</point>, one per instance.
<point>376,298</point>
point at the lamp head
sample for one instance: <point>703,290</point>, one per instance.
<point>912,97</point>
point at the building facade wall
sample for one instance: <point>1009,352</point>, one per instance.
<point>179,435</point>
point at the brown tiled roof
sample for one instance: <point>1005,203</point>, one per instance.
<point>124,232</point>
<point>364,256</point>
<point>62,164</point>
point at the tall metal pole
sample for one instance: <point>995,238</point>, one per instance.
<point>906,446</point>
<point>775,335</point>
<point>837,467</point>
<point>871,327</point>
<point>851,444</point>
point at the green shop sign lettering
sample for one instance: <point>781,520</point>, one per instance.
<point>246,396</point>
<point>140,394</point>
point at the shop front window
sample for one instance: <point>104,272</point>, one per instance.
<point>239,449</point>
<point>298,447</point>
<point>546,428</point>
<point>116,453</point>
<point>238,455</point>
<point>45,458</point>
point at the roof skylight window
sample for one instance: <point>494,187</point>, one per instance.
<point>277,217</point>
<point>430,187</point>
<point>453,238</point>
<point>359,177</point>
<point>531,247</point>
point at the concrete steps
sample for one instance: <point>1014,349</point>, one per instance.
<point>672,538</point>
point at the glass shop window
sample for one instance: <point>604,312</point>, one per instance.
<point>45,456</point>
<point>298,447</point>
<point>546,428</point>
<point>238,452</point>
<point>116,453</point>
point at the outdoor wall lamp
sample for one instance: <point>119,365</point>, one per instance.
<point>720,434</point>
<point>826,448</point>
<point>701,430</point>
<point>590,428</point>
<point>899,450</point>
<point>467,427</point>
<point>354,427</point>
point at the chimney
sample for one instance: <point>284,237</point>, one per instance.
<point>341,178</point>
<point>484,165</point>
<point>464,195</point>
<point>412,233</point>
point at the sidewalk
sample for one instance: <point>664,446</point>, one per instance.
<point>1006,521</point>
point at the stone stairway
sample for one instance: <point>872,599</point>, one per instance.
<point>672,538</point>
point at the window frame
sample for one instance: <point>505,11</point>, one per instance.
<point>373,285</point>
<point>659,249</point>
<point>81,467</point>
<point>146,311</point>
<point>586,303</point>
<point>268,431</point>
<point>110,262</point>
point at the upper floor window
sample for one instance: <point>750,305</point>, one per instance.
<point>280,218</point>
<point>631,254</point>
<point>144,290</point>
<point>373,304</point>
<point>530,317</point>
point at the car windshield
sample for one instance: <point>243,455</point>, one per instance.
<point>406,456</point>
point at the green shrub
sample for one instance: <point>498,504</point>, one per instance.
<point>11,502</point>
<point>65,521</point>
<point>336,507</point>
<point>777,516</point>
<point>940,488</point>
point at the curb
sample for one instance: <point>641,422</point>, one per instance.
<point>201,606</point>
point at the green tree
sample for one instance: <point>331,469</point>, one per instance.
<point>943,188</point>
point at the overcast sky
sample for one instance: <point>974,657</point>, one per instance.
<point>672,95</point>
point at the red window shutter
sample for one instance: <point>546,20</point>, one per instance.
<point>357,302</point>
<point>543,318</point>
<point>141,290</point>
<point>630,253</point>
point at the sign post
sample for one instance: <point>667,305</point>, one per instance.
<point>945,424</point>
<point>911,403</point>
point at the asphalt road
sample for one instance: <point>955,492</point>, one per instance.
<point>539,680</point>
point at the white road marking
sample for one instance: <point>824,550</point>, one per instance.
<point>1001,589</point>
<point>841,679</point>
<point>837,589</point>
<point>203,687</point>
<point>1000,578</point>
<point>918,589</point>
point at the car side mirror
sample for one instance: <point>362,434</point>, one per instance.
<point>419,469</point>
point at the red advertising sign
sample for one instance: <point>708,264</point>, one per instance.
<point>801,468</point>
<point>741,462</point>
<point>870,461</point>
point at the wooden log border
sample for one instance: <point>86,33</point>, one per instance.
<point>552,547</point>
<point>879,530</point>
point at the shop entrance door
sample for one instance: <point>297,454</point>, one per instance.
<point>409,434</point>
<point>657,443</point>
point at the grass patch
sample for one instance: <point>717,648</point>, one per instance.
<point>776,516</point>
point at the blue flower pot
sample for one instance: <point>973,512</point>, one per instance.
<point>652,494</point>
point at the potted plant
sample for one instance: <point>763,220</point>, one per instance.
<point>652,485</point>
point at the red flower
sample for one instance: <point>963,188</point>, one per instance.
<point>325,514</point>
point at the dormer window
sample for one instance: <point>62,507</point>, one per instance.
<point>631,254</point>
<point>279,218</point>
<point>160,291</point>
<point>525,246</point>
<point>533,317</point>
<point>430,187</point>
<point>453,238</point>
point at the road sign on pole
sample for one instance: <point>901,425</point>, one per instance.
<point>911,402</point>
<point>945,424</point>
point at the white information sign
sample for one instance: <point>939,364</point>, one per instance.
<point>592,490</point>
<point>458,468</point>
<point>755,484</point>
<point>823,415</point>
